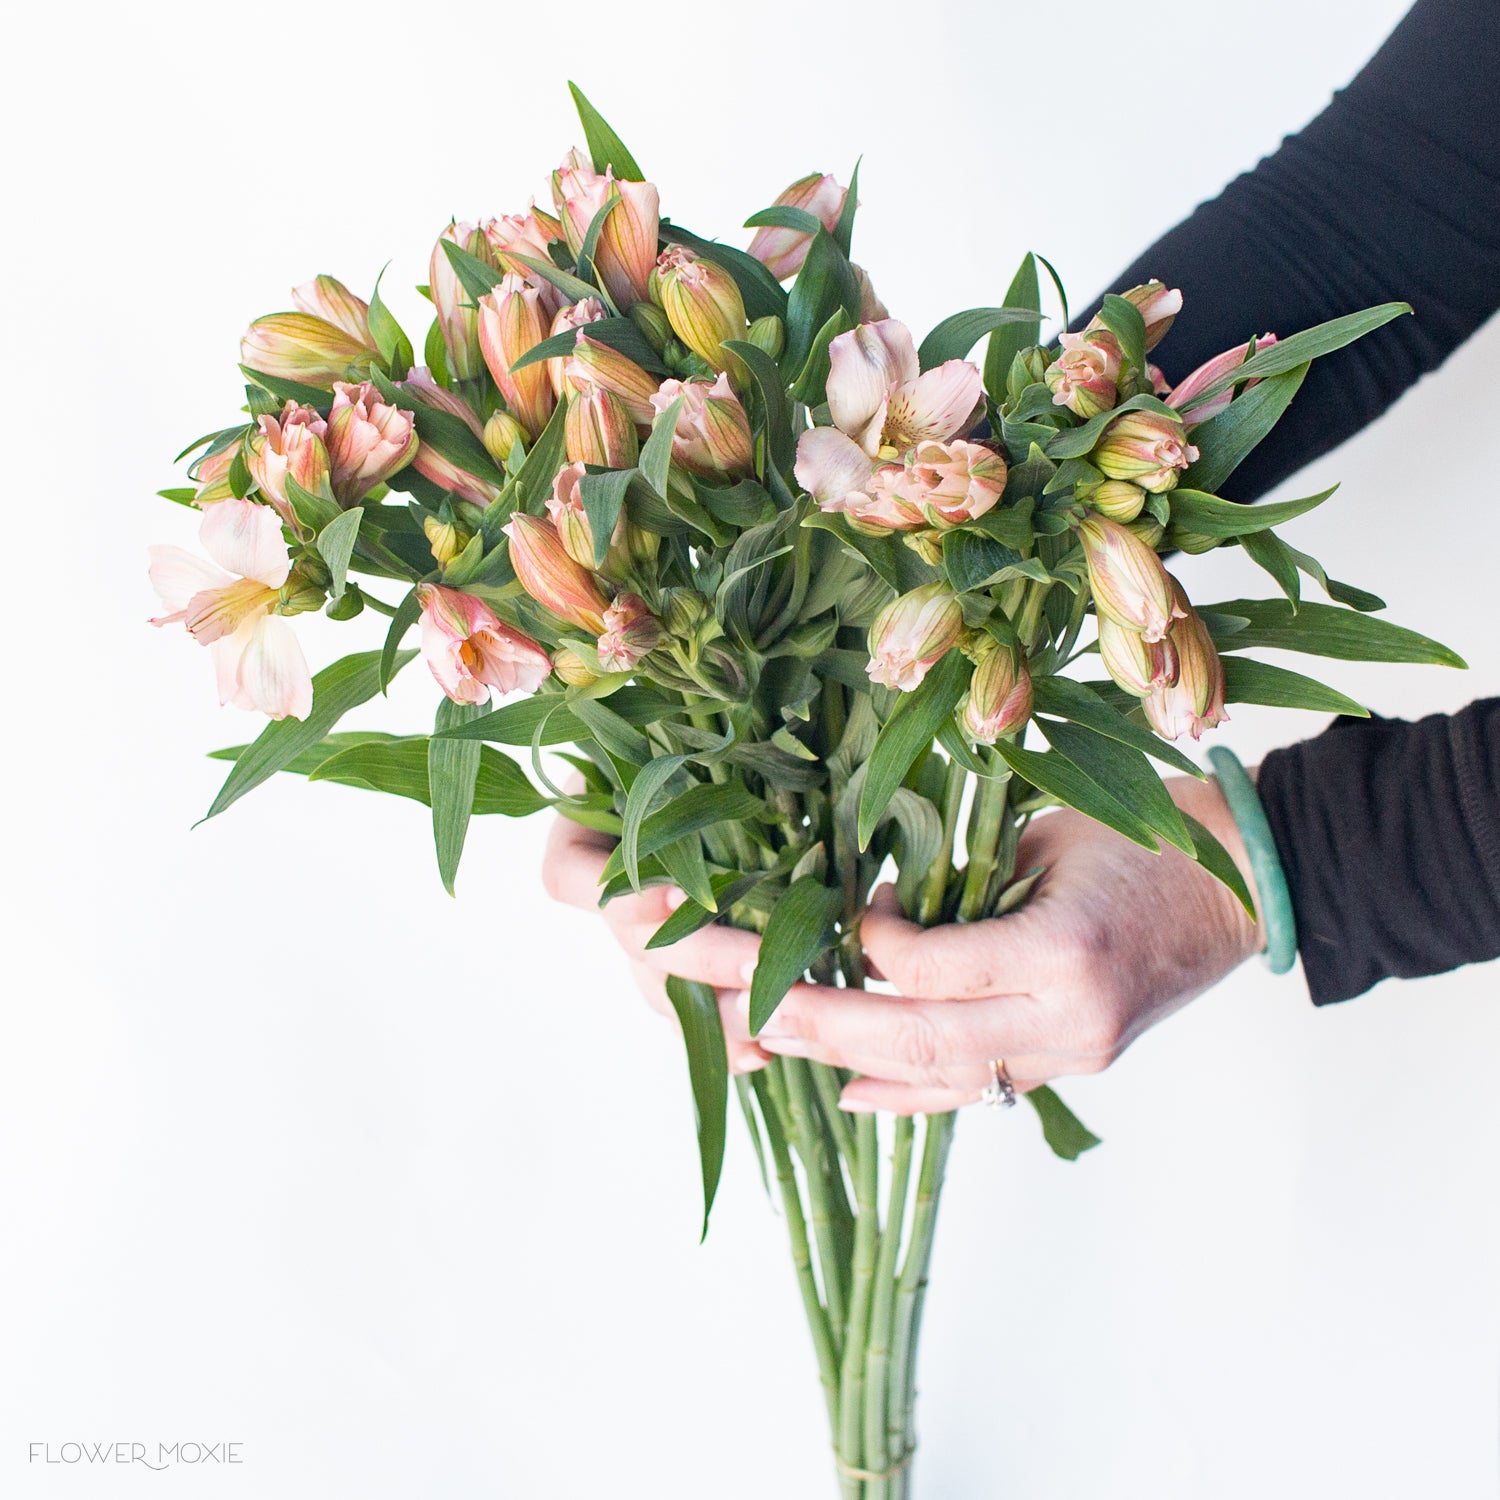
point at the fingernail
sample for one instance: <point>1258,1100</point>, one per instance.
<point>783,1046</point>
<point>751,1062</point>
<point>675,897</point>
<point>856,1106</point>
<point>748,972</point>
<point>738,1001</point>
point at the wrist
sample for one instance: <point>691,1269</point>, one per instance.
<point>1205,801</point>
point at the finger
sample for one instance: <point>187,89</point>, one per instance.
<point>573,863</point>
<point>911,1037</point>
<point>866,1095</point>
<point>720,956</point>
<point>961,961</point>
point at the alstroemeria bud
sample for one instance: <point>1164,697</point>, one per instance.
<point>565,511</point>
<point>1117,499</point>
<point>470,651</point>
<point>1130,585</point>
<point>445,540</point>
<point>702,303</point>
<point>512,321</point>
<point>712,435</point>
<point>632,549</point>
<point>871,308</point>
<point>1158,306</point>
<point>528,234</point>
<point>1145,447</point>
<point>573,315</point>
<point>684,612</point>
<point>957,481</point>
<point>1194,701</point>
<point>299,346</point>
<point>911,633</point>
<point>1137,665</point>
<point>572,669</point>
<point>328,298</point>
<point>551,577</point>
<point>501,433</point>
<point>597,430</point>
<point>768,334</point>
<point>367,441</point>
<point>457,320</point>
<point>999,700</point>
<point>1149,530</point>
<point>630,631</point>
<point>627,241</point>
<point>782,251</point>
<point>211,474</point>
<point>593,363</point>
<point>1084,376</point>
<point>652,322</point>
<point>1027,369</point>
<point>420,388</point>
<point>1181,397</point>
<point>289,446</point>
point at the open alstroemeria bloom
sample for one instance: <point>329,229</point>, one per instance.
<point>470,650</point>
<point>883,405</point>
<point>231,608</point>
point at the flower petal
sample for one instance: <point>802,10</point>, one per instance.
<point>177,575</point>
<point>273,672</point>
<point>865,366</point>
<point>246,538</point>
<point>830,465</point>
<point>938,404</point>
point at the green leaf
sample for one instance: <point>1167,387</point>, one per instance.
<point>1211,516</point>
<point>1009,339</point>
<point>1123,319</point>
<point>656,454</point>
<point>959,332</point>
<point>1060,778</point>
<point>1066,699</point>
<point>1126,774</point>
<point>782,216</point>
<point>683,860</point>
<point>622,740</point>
<point>407,613</point>
<point>1063,1131</point>
<point>699,807</point>
<point>394,765</point>
<point>314,756</point>
<point>395,348</point>
<point>799,930</point>
<point>1343,593</point>
<point>289,390</point>
<point>973,560</point>
<point>336,689</point>
<point>1076,442</point>
<point>605,147</point>
<point>843,231</point>
<point>1249,681</point>
<point>619,333</point>
<point>569,285</point>
<point>692,917</point>
<point>1271,553</point>
<point>825,283</point>
<point>1224,441</point>
<point>603,496</point>
<point>336,547</point>
<point>916,718</point>
<point>1327,630</point>
<point>763,372</point>
<point>1215,858</point>
<point>1286,354</point>
<point>697,1008</point>
<point>477,277</point>
<point>762,293</point>
<point>639,801</point>
<point>314,512</point>
<point>452,771</point>
<point>517,723</point>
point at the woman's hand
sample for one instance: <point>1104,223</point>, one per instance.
<point>1112,940</point>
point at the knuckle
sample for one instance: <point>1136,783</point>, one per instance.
<point>915,1040</point>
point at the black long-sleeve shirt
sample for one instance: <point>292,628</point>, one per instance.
<point>1389,832</point>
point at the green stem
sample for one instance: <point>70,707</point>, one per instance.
<point>985,829</point>
<point>882,1446</point>
<point>770,1091</point>
<point>809,1142</point>
<point>935,886</point>
<point>866,1245</point>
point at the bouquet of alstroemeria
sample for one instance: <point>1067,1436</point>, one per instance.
<point>793,586</point>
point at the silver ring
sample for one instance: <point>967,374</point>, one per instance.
<point>1001,1092</point>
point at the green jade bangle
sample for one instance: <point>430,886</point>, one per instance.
<point>1265,863</point>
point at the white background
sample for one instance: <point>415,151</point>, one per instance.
<point>399,1192</point>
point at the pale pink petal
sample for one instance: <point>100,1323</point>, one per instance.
<point>938,404</point>
<point>246,538</point>
<point>865,366</point>
<point>177,575</point>
<point>273,672</point>
<point>830,465</point>
<point>227,652</point>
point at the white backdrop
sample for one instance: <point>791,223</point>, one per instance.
<point>399,1193</point>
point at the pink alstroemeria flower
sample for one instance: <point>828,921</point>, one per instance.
<point>231,607</point>
<point>1209,373</point>
<point>783,251</point>
<point>469,650</point>
<point>882,406</point>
